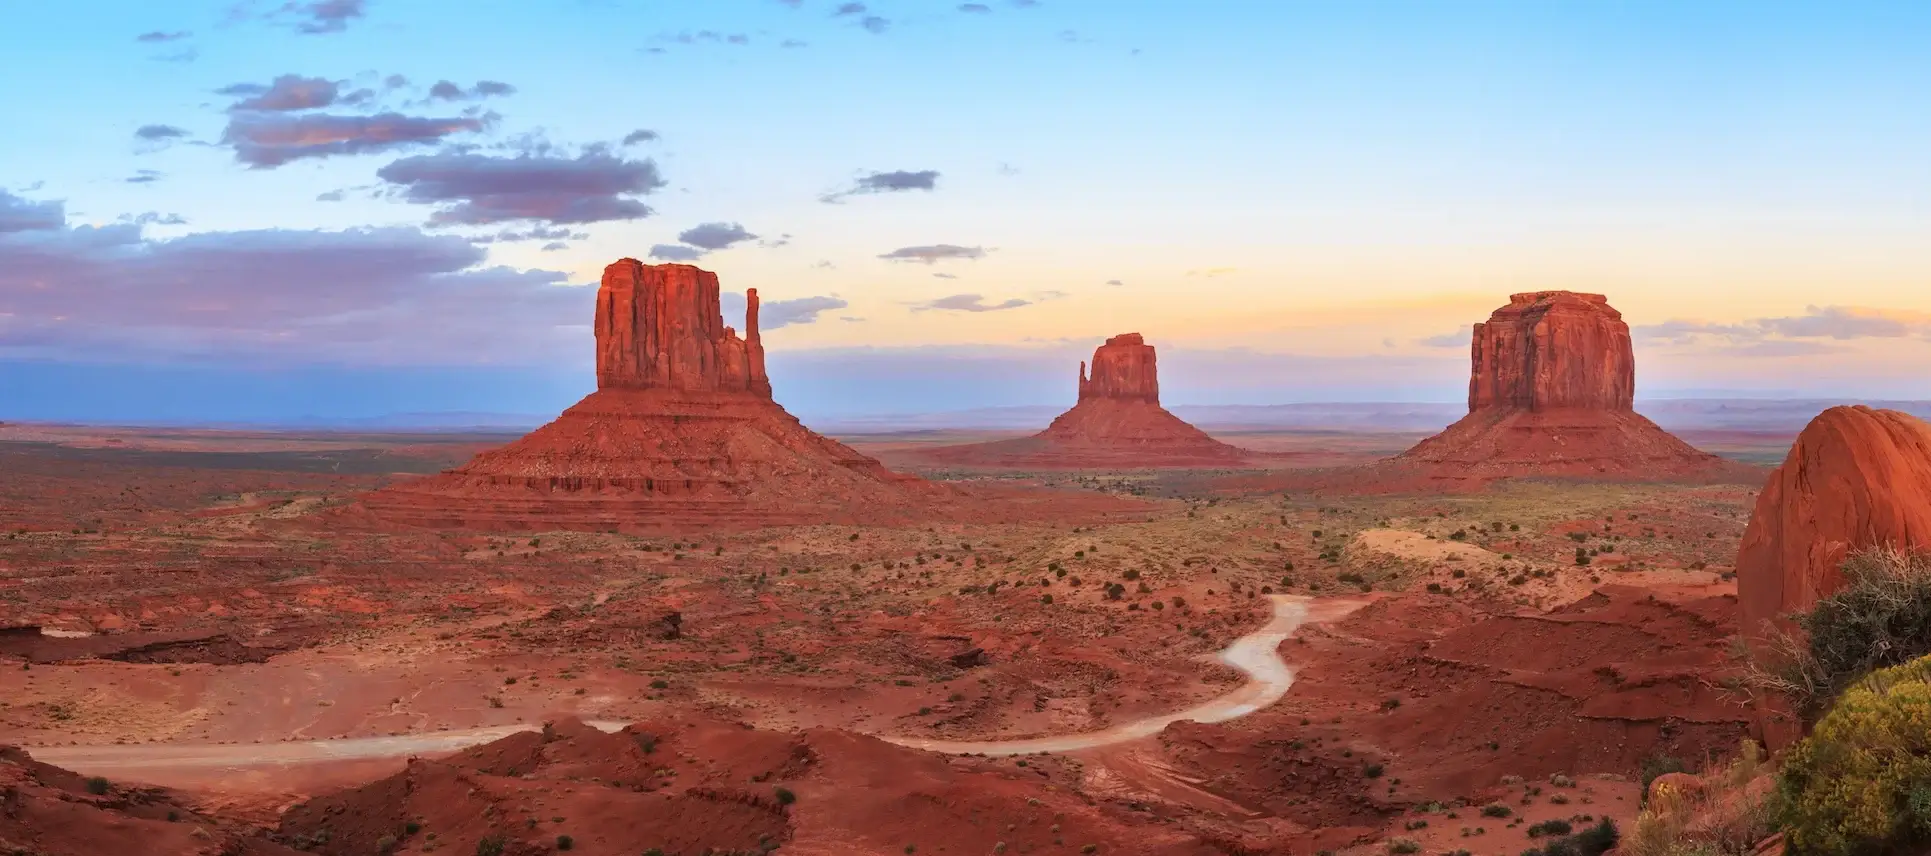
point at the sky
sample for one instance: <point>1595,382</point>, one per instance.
<point>272,210</point>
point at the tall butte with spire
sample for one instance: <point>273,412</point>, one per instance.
<point>681,431</point>
<point>1117,422</point>
<point>1551,392</point>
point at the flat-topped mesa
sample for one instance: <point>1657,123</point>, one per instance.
<point>1124,368</point>
<point>660,327</point>
<point>1553,350</point>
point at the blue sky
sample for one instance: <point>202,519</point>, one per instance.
<point>1293,200</point>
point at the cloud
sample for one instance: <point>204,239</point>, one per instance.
<point>934,253</point>
<point>977,8</point>
<point>155,133</point>
<point>1025,4</point>
<point>330,196</point>
<point>1114,282</point>
<point>1818,322</point>
<point>444,90</point>
<point>887,182</point>
<point>553,246</point>
<point>477,189</point>
<point>268,140</point>
<point>285,93</point>
<point>1458,339</point>
<point>675,253</point>
<point>536,233</point>
<point>715,236</point>
<point>945,276</point>
<point>793,43</point>
<point>156,218</point>
<point>159,36</point>
<point>875,24</point>
<point>318,17</point>
<point>1783,348</point>
<point>712,36</point>
<point>367,296</point>
<point>773,314</point>
<point>21,215</point>
<point>969,303</point>
<point>143,176</point>
<point>641,135</point>
<point>848,9</point>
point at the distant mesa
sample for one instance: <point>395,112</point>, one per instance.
<point>1552,384</point>
<point>1855,478</point>
<point>1117,423</point>
<point>682,431</point>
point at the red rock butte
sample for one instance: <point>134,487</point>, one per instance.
<point>1116,423</point>
<point>1551,387</point>
<point>1855,478</point>
<point>682,431</point>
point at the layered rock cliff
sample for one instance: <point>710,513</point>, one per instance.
<point>1548,350</point>
<point>1124,369</point>
<point>658,327</point>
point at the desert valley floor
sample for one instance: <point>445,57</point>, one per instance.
<point>179,619</point>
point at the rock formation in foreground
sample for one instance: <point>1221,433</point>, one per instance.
<point>1551,384</point>
<point>1117,423</point>
<point>681,431</point>
<point>1855,478</point>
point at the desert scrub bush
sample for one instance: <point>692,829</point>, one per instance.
<point>1403,846</point>
<point>1496,810</point>
<point>97,786</point>
<point>1861,782</point>
<point>1880,618</point>
<point>1728,815</point>
<point>1594,841</point>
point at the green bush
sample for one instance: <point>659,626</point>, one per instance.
<point>1554,826</point>
<point>1594,841</point>
<point>1881,617</point>
<point>1861,782</point>
<point>97,786</point>
<point>1496,810</point>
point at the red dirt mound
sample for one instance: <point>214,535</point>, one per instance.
<point>686,783</point>
<point>1855,478</point>
<point>1446,701</point>
<point>1117,423</point>
<point>48,811</point>
<point>682,431</point>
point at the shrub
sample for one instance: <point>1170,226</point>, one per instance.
<point>1403,846</point>
<point>1861,782</point>
<point>1496,810</point>
<point>1881,617</point>
<point>491,846</point>
<point>1553,826</point>
<point>1657,765</point>
<point>97,786</point>
<point>565,842</point>
<point>784,795</point>
<point>1594,841</point>
<point>1728,814</point>
<point>1372,771</point>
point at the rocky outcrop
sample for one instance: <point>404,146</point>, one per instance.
<point>1549,350</point>
<point>1117,422</point>
<point>1855,478</point>
<point>682,432</point>
<point>1124,369</point>
<point>658,327</point>
<point>1552,379</point>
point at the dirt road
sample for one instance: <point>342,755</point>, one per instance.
<point>1255,654</point>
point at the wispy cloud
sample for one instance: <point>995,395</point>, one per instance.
<point>934,253</point>
<point>895,181</point>
<point>969,303</point>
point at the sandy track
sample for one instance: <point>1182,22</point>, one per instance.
<point>1255,654</point>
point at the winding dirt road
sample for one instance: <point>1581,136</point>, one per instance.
<point>1255,654</point>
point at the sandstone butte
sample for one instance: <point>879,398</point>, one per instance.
<point>681,431</point>
<point>1552,384</point>
<point>1117,422</point>
<point>1855,478</point>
